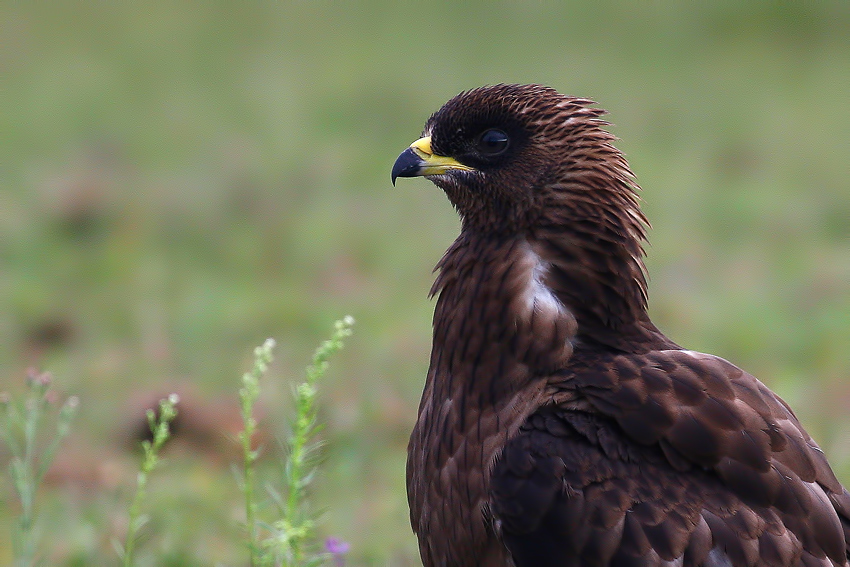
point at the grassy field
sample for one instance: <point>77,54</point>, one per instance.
<point>180,181</point>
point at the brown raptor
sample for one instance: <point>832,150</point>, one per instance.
<point>558,425</point>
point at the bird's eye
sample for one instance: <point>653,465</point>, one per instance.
<point>493,142</point>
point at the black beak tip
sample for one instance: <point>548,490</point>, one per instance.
<point>408,164</point>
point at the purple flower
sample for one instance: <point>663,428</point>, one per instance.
<point>337,548</point>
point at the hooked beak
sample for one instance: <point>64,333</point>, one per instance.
<point>419,159</point>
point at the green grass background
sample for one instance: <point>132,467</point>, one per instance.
<point>179,181</point>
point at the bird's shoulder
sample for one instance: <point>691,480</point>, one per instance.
<point>662,456</point>
<point>702,410</point>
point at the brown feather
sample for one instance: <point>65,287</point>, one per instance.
<point>558,425</point>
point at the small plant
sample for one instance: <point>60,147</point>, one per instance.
<point>290,540</point>
<point>20,428</point>
<point>158,422</point>
<point>248,395</point>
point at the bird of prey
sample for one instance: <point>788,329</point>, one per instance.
<point>558,425</point>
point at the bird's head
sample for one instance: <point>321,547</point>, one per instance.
<point>525,162</point>
<point>507,154</point>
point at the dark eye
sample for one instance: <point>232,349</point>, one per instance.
<point>493,142</point>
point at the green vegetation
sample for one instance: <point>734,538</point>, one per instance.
<point>248,394</point>
<point>159,425</point>
<point>178,182</point>
<point>290,539</point>
<point>21,429</point>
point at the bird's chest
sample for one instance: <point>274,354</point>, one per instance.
<point>452,450</point>
<point>498,330</point>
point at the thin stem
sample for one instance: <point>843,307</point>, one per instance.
<point>248,395</point>
<point>303,428</point>
<point>20,430</point>
<point>159,429</point>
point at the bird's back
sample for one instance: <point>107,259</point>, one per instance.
<point>666,457</point>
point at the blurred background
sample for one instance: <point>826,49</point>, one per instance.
<point>179,181</point>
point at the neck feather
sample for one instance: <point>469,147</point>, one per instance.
<point>494,305</point>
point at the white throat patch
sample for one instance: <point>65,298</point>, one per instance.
<point>538,296</point>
